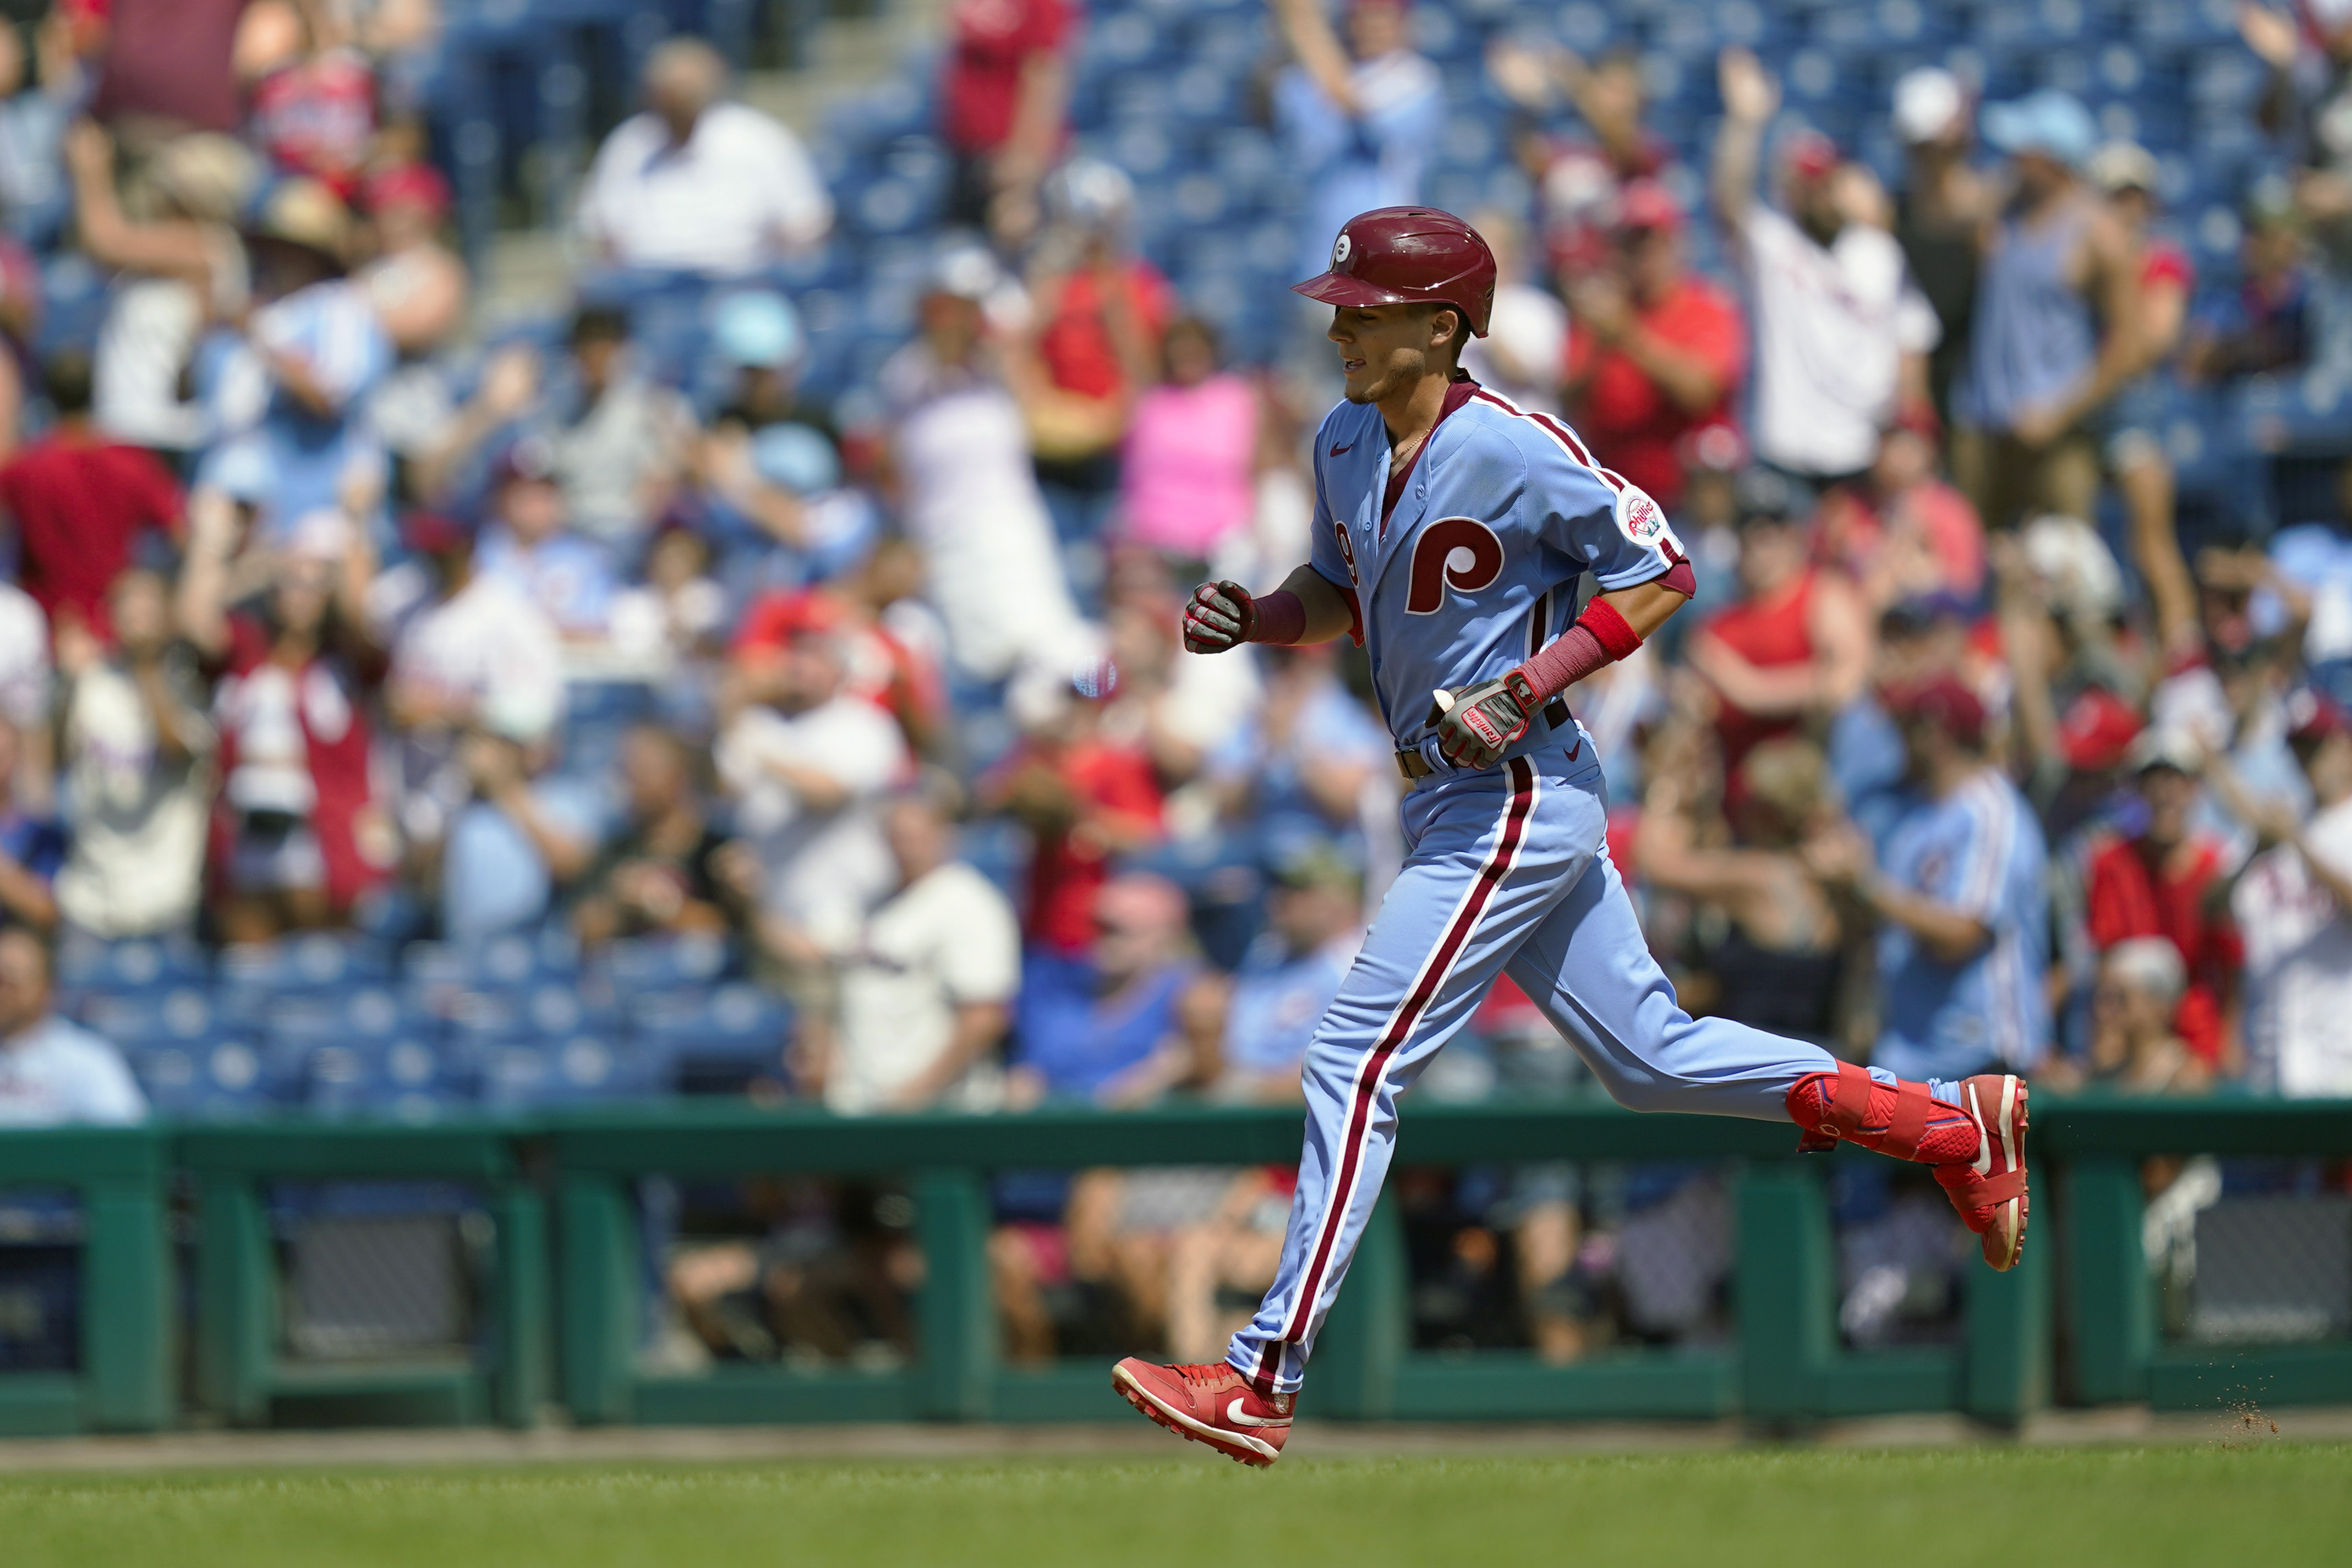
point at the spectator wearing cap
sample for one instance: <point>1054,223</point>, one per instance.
<point>2134,1047</point>
<point>927,986</point>
<point>1656,353</point>
<point>313,350</point>
<point>698,182</point>
<point>2061,607</point>
<point>182,267</point>
<point>135,753</point>
<point>1795,649</point>
<point>298,835</point>
<point>807,765</point>
<point>1097,311</point>
<point>759,340</point>
<point>2294,911</point>
<point>1958,897</point>
<point>2057,327</point>
<point>1005,105</point>
<point>527,542</point>
<point>968,496</point>
<point>2126,174</point>
<point>52,1071</point>
<point>1086,797</point>
<point>891,643</point>
<point>2169,879</point>
<point>79,504</point>
<point>1357,123</point>
<point>1842,332</point>
<point>418,285</point>
<point>1941,212</point>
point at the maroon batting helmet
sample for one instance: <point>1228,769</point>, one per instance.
<point>1409,255</point>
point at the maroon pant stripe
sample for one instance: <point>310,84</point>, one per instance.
<point>1449,946</point>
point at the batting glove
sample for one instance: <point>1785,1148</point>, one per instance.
<point>1218,616</point>
<point>1475,724</point>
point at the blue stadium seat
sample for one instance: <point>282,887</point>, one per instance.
<point>217,1076</point>
<point>638,964</point>
<point>713,1040</point>
<point>552,1072</point>
<point>315,962</point>
<point>407,1078</point>
<point>137,964</point>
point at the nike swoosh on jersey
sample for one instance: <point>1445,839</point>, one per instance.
<point>1335,451</point>
<point>1984,1144</point>
<point>1233,1414</point>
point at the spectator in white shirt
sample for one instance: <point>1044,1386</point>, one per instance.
<point>2293,909</point>
<point>137,755</point>
<point>1842,333</point>
<point>926,989</point>
<point>806,764</point>
<point>52,1071</point>
<point>968,491</point>
<point>699,184</point>
<point>1524,355</point>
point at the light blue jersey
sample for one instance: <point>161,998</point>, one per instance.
<point>1979,849</point>
<point>1476,568</point>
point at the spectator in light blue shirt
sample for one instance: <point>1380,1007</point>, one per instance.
<point>1290,974</point>
<point>296,390</point>
<point>52,1071</point>
<point>1960,892</point>
<point>527,543</point>
<point>518,841</point>
<point>1356,131</point>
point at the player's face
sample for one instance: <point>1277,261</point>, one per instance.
<point>1385,348</point>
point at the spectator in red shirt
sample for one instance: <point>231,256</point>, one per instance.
<point>296,837</point>
<point>313,103</point>
<point>1100,313</point>
<point>1797,645</point>
<point>1087,798</point>
<point>2171,881</point>
<point>79,503</point>
<point>1006,92</point>
<point>1655,353</point>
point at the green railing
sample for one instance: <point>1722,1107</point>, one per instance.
<point>124,1384</point>
<point>581,1316</point>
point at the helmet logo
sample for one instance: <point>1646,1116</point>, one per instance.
<point>1340,252</point>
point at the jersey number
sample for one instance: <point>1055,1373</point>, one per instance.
<point>1452,552</point>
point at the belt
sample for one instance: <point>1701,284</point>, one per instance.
<point>1413,765</point>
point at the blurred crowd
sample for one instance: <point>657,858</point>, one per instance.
<point>1984,744</point>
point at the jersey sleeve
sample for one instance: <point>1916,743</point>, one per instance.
<point>1604,522</point>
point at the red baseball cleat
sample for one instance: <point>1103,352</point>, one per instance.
<point>1990,1191</point>
<point>1213,1405</point>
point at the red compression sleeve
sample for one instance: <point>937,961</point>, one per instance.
<point>1281,617</point>
<point>1601,636</point>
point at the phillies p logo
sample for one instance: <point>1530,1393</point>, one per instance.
<point>1452,552</point>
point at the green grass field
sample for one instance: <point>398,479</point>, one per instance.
<point>2276,1505</point>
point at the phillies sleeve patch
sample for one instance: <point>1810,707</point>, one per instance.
<point>1643,521</point>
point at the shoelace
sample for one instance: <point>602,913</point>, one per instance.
<point>1204,1373</point>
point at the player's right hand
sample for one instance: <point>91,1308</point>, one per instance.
<point>1218,616</point>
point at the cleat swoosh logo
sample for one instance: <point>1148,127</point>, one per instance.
<point>1233,1414</point>
<point>1983,1163</point>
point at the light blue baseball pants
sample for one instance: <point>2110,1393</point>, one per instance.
<point>1508,870</point>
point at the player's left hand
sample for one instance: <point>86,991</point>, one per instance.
<point>1475,724</point>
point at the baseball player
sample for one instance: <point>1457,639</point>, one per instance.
<point>1450,530</point>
